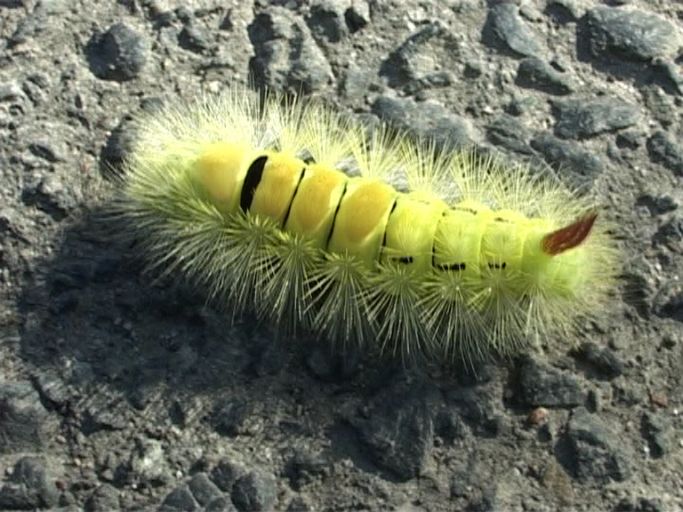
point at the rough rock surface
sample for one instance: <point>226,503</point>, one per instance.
<point>28,486</point>
<point>118,392</point>
<point>632,33</point>
<point>595,452</point>
<point>24,422</point>
<point>587,118</point>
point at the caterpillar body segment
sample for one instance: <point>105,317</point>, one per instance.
<point>291,210</point>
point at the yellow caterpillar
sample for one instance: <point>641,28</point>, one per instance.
<point>289,209</point>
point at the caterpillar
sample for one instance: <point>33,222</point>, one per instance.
<point>362,236</point>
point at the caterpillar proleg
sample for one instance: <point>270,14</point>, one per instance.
<point>293,211</point>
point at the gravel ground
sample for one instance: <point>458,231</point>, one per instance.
<point>121,392</point>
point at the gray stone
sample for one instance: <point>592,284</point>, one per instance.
<point>11,91</point>
<point>521,105</point>
<point>641,504</point>
<point>473,68</point>
<point>184,14</point>
<point>118,54</point>
<point>670,340</point>
<point>37,88</point>
<point>12,223</point>
<point>356,82</point>
<point>118,146</point>
<point>660,105</point>
<point>147,463</point>
<point>427,118</point>
<point>543,385</point>
<point>508,132</point>
<point>226,473</point>
<point>47,150</point>
<point>669,75</point>
<point>399,432</point>
<point>162,16</point>
<point>566,10</point>
<point>52,195</point>
<point>101,418</point>
<point>659,204</point>
<point>471,486</point>
<point>326,19</point>
<point>413,60</point>
<point>303,467</point>
<point>358,15</point>
<point>229,417</point>
<point>668,299</point>
<point>220,504</point>
<point>103,499</point>
<point>179,499</point>
<point>23,419</point>
<point>507,25</point>
<point>51,387</point>
<point>479,407</point>
<point>664,150</point>
<point>286,54</point>
<point>36,22</point>
<point>595,451</point>
<point>29,486</point>
<point>449,426</point>
<point>300,504</point>
<point>671,232</point>
<point>568,156</point>
<point>631,34</point>
<point>203,489</point>
<point>194,38</point>
<point>254,492</point>
<point>586,118</point>
<point>604,360</point>
<point>630,139</point>
<point>535,73</point>
<point>659,432</point>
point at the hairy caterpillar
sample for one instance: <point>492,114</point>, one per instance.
<point>285,207</point>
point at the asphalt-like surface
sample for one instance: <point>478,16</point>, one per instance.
<point>119,391</point>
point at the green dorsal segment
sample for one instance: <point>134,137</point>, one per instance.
<point>410,231</point>
<point>502,242</point>
<point>457,244</point>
